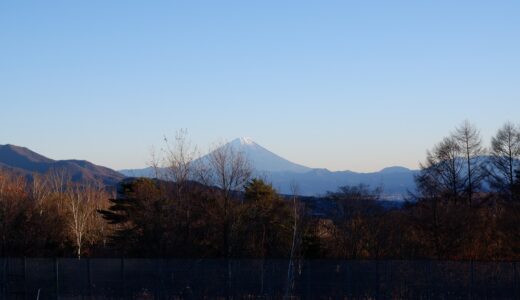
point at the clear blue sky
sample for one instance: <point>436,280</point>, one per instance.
<point>354,85</point>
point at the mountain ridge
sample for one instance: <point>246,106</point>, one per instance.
<point>26,162</point>
<point>396,181</point>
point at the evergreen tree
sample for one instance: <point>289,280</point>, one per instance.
<point>140,215</point>
<point>264,223</point>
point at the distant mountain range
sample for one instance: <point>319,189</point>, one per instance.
<point>260,158</point>
<point>25,162</point>
<point>396,182</point>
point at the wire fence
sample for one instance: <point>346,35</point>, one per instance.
<point>65,278</point>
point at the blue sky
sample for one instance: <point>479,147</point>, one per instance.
<point>356,85</point>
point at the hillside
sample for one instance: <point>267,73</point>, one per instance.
<point>25,162</point>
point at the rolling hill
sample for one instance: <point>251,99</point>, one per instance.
<point>25,162</point>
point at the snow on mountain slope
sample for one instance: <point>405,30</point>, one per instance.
<point>282,173</point>
<point>264,160</point>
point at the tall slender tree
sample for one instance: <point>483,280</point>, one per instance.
<point>178,165</point>
<point>228,169</point>
<point>442,175</point>
<point>504,158</point>
<point>470,143</point>
<point>82,203</point>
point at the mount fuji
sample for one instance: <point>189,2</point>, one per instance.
<point>396,182</point>
<point>264,160</point>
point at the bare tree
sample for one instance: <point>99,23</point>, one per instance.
<point>155,163</point>
<point>83,202</point>
<point>505,155</point>
<point>296,239</point>
<point>349,228</point>
<point>40,191</point>
<point>468,137</point>
<point>58,182</point>
<point>178,165</point>
<point>442,173</point>
<point>179,159</point>
<point>228,169</point>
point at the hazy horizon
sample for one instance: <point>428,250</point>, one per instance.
<point>340,85</point>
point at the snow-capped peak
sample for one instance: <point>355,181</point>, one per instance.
<point>246,141</point>
<point>262,159</point>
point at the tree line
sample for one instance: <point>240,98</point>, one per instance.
<point>466,207</point>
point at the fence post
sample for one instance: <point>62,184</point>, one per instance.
<point>472,280</point>
<point>157,281</point>
<point>57,277</point>
<point>377,280</point>
<point>5,277</point>
<point>89,279</point>
<point>123,292</point>
<point>515,281</point>
<point>24,277</point>
<point>431,288</point>
<point>308,285</point>
<point>161,291</point>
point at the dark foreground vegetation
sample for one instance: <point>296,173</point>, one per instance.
<point>210,228</point>
<point>466,207</point>
<point>148,220</point>
<point>255,279</point>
